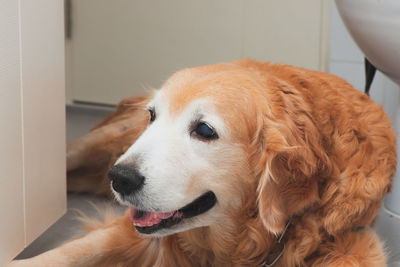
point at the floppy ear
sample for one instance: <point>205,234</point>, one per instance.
<point>292,159</point>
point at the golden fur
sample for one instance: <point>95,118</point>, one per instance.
<point>320,155</point>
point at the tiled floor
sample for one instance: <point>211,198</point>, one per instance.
<point>79,121</point>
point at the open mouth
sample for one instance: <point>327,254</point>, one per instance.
<point>149,222</point>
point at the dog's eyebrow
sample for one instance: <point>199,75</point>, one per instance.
<point>197,115</point>
<point>150,105</point>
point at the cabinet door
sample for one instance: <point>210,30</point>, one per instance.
<point>43,86</point>
<point>12,237</point>
<point>32,119</point>
<point>120,48</point>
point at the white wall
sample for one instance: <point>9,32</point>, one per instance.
<point>118,48</point>
<point>347,61</point>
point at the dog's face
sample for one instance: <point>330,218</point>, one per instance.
<point>221,137</point>
<point>190,167</point>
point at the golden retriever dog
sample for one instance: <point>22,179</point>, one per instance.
<point>237,164</point>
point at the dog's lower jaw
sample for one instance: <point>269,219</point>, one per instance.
<point>202,222</point>
<point>191,215</point>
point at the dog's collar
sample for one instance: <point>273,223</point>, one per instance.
<point>277,250</point>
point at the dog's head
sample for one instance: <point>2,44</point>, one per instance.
<point>219,136</point>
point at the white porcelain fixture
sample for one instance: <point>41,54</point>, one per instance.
<point>375,27</point>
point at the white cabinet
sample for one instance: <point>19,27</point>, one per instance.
<point>32,119</point>
<point>119,48</point>
<point>12,237</point>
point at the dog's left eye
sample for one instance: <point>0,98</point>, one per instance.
<point>204,131</point>
<point>152,114</point>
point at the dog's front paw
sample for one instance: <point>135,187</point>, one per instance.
<point>22,263</point>
<point>15,264</point>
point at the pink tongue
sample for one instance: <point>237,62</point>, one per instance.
<point>151,218</point>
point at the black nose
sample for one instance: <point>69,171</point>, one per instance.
<point>125,179</point>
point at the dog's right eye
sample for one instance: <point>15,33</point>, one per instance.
<point>204,131</point>
<point>152,114</point>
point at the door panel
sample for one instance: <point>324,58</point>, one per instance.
<point>43,83</point>
<point>11,165</point>
<point>32,118</point>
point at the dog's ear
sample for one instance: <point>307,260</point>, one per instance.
<point>292,159</point>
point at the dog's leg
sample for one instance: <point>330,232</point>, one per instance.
<point>104,246</point>
<point>90,157</point>
<point>358,248</point>
<point>86,180</point>
<point>79,151</point>
<point>129,114</point>
<point>85,251</point>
